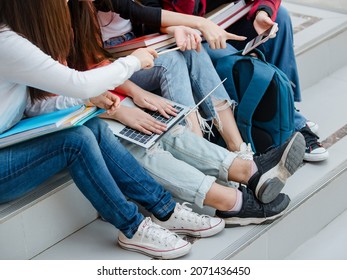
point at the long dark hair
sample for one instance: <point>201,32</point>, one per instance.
<point>46,23</point>
<point>87,47</point>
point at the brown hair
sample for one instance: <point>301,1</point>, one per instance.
<point>46,23</point>
<point>87,47</point>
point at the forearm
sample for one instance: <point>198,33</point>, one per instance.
<point>51,104</point>
<point>173,19</point>
<point>129,88</point>
<point>134,11</point>
<point>25,64</point>
<point>269,6</point>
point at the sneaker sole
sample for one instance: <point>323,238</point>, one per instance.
<point>202,232</point>
<point>272,182</point>
<point>316,157</point>
<point>164,255</point>
<point>235,221</point>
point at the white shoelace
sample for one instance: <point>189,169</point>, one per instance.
<point>245,152</point>
<point>186,213</point>
<point>157,233</point>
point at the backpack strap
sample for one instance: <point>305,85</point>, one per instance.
<point>251,98</point>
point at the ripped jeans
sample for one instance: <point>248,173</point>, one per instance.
<point>184,163</point>
<point>185,77</point>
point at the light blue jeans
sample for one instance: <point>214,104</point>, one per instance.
<point>185,164</point>
<point>184,77</point>
<point>103,170</point>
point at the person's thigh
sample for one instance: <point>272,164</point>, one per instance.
<point>169,77</point>
<point>26,165</point>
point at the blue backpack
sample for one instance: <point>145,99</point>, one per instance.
<point>265,111</point>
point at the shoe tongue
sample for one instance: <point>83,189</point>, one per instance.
<point>145,223</point>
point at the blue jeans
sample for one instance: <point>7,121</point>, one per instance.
<point>184,77</point>
<point>103,170</point>
<point>114,41</point>
<point>185,164</point>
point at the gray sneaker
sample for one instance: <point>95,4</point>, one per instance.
<point>275,167</point>
<point>155,241</point>
<point>253,211</point>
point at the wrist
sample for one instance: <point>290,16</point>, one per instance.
<point>200,23</point>
<point>87,102</point>
<point>265,9</point>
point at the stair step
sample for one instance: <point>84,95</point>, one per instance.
<point>330,243</point>
<point>47,215</point>
<point>319,42</point>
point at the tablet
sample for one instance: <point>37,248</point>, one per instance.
<point>262,38</point>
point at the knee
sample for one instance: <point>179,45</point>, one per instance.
<point>98,127</point>
<point>170,60</point>
<point>79,138</point>
<point>283,18</point>
<point>197,58</point>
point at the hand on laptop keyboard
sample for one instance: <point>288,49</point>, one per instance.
<point>140,121</point>
<point>152,102</point>
<point>143,137</point>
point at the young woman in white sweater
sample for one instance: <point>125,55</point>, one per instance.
<point>34,36</point>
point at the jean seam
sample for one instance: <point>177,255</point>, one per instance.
<point>31,164</point>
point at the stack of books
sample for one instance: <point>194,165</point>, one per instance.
<point>33,127</point>
<point>224,16</point>
<point>155,41</point>
<point>227,14</point>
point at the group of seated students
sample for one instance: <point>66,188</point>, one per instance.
<point>53,57</point>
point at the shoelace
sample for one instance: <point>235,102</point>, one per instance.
<point>155,232</point>
<point>245,152</point>
<point>311,138</point>
<point>186,213</point>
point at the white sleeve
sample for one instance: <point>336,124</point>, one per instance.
<point>50,104</point>
<point>23,63</point>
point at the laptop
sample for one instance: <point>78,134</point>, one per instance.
<point>145,140</point>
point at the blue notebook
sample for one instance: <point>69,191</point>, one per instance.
<point>47,123</point>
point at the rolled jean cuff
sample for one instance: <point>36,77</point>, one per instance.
<point>204,188</point>
<point>224,167</point>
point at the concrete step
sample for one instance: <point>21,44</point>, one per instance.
<point>319,42</point>
<point>328,244</point>
<point>42,218</point>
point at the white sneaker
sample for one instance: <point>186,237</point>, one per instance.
<point>313,126</point>
<point>245,151</point>
<point>314,149</point>
<point>184,221</point>
<point>155,241</point>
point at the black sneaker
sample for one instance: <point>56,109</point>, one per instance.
<point>253,211</point>
<point>275,166</point>
<point>314,150</point>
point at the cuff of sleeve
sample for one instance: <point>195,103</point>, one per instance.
<point>266,9</point>
<point>133,61</point>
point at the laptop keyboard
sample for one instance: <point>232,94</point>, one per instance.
<point>144,138</point>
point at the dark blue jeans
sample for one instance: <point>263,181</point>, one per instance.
<point>103,170</point>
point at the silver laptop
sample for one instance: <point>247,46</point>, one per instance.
<point>145,140</point>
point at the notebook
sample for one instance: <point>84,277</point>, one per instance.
<point>29,128</point>
<point>143,139</point>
